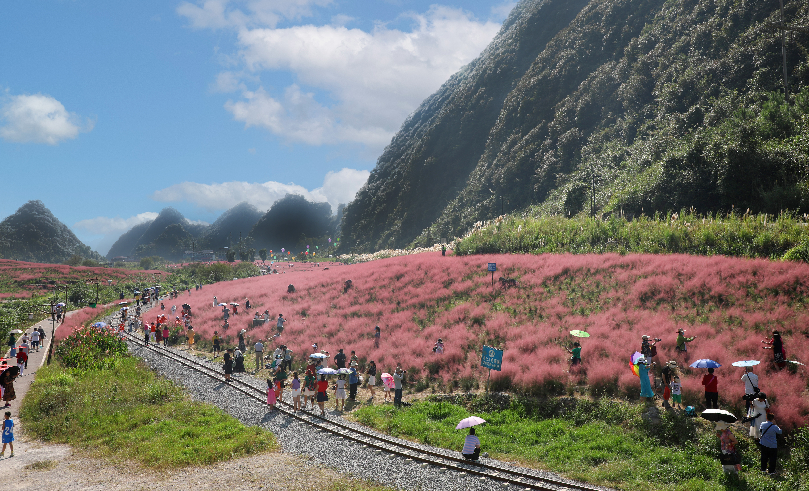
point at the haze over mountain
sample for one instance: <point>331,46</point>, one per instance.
<point>226,229</point>
<point>292,221</point>
<point>630,106</point>
<point>33,234</point>
<point>141,236</point>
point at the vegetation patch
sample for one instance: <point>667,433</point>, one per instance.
<point>121,409</point>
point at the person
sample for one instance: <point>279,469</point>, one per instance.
<point>8,434</point>
<point>217,346</point>
<point>387,383</point>
<point>12,345</point>
<point>776,344</point>
<point>353,381</point>
<point>242,347</point>
<point>729,456</point>
<point>643,373</point>
<point>309,388</point>
<point>322,396</point>
<point>295,392</point>
<point>272,397</point>
<point>471,446</point>
<point>158,334</point>
<point>22,359</point>
<point>281,381</point>
<point>682,340</point>
<point>215,302</point>
<point>398,377</point>
<point>371,371</point>
<point>576,352</point>
<point>711,391</point>
<point>287,358</point>
<point>768,444</point>
<point>7,381</point>
<point>227,364</point>
<point>340,359</point>
<point>340,393</point>
<point>648,349</point>
<point>35,340</point>
<point>280,324</point>
<point>668,375</point>
<point>235,309</point>
<point>259,347</point>
<point>377,335</point>
<point>676,393</point>
<point>238,361</point>
<point>759,407</point>
<point>166,334</point>
<point>750,380</point>
<point>443,249</point>
<point>190,334</point>
<point>439,347</point>
<point>247,304</point>
<point>354,358</point>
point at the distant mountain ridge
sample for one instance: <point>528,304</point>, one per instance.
<point>609,106</point>
<point>34,234</point>
<point>140,240</point>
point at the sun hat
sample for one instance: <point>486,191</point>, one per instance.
<point>645,336</point>
<point>672,363</point>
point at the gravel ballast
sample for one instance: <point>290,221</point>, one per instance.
<point>298,438</point>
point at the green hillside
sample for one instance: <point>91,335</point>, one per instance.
<point>627,106</point>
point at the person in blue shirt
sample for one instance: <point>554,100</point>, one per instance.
<point>8,434</point>
<point>768,444</point>
<point>353,381</point>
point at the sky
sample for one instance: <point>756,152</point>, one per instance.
<point>112,111</point>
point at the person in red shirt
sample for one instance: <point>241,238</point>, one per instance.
<point>711,391</point>
<point>22,358</point>
<point>322,397</point>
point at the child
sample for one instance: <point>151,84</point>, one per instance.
<point>340,393</point>
<point>8,434</point>
<point>270,394</point>
<point>676,393</point>
<point>576,352</point>
<point>386,389</point>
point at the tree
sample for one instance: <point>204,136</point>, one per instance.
<point>262,253</point>
<point>147,263</point>
<point>231,256</point>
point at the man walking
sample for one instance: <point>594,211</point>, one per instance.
<point>398,375</point>
<point>768,444</point>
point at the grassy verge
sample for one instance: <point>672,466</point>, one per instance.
<point>126,411</point>
<point>782,237</point>
<point>600,442</point>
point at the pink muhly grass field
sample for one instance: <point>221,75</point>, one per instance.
<point>729,304</point>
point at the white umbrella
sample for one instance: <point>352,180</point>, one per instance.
<point>470,422</point>
<point>234,303</point>
<point>319,355</point>
<point>15,331</point>
<point>222,305</point>
<point>344,371</point>
<point>327,371</point>
<point>745,363</point>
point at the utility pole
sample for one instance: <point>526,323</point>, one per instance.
<point>781,26</point>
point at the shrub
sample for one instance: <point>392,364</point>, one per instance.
<point>90,348</point>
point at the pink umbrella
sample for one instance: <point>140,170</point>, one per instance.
<point>470,422</point>
<point>387,379</point>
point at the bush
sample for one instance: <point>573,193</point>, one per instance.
<point>90,348</point>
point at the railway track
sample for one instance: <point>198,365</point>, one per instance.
<point>520,478</point>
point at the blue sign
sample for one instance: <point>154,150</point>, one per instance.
<point>492,358</point>
<point>492,267</point>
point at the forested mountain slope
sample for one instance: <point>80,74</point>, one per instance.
<point>630,105</point>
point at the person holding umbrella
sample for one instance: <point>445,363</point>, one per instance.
<point>711,390</point>
<point>471,444</point>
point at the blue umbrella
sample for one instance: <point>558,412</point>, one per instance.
<point>745,363</point>
<point>100,324</point>
<point>705,363</point>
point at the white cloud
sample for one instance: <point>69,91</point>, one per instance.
<point>221,14</point>
<point>102,232</point>
<point>350,85</point>
<point>39,118</point>
<point>117,225</point>
<point>502,10</point>
<point>338,187</point>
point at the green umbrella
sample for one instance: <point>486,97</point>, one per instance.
<point>579,334</point>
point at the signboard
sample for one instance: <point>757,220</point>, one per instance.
<point>492,358</point>
<point>492,267</point>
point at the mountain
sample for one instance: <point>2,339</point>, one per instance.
<point>226,229</point>
<point>33,234</point>
<point>609,106</point>
<point>140,241</point>
<point>292,221</point>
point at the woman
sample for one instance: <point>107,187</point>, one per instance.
<point>166,334</point>
<point>190,334</point>
<point>727,442</point>
<point>322,396</point>
<point>217,347</point>
<point>281,381</point>
<point>241,341</point>
<point>371,372</point>
<point>759,407</point>
<point>228,364</point>
<point>309,388</point>
<point>340,393</point>
<point>377,335</point>
<point>271,395</point>
<point>778,351</point>
<point>7,382</point>
<point>643,373</point>
<point>296,392</point>
<point>238,361</point>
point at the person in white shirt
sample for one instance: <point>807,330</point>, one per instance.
<point>35,340</point>
<point>259,347</point>
<point>471,446</point>
<point>750,380</point>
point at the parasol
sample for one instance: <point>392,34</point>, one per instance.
<point>705,363</point>
<point>319,355</point>
<point>470,422</point>
<point>579,334</point>
<point>344,371</point>
<point>719,415</point>
<point>745,363</point>
<point>327,371</point>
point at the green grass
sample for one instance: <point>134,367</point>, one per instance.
<point>782,237</point>
<point>605,443</point>
<point>127,412</point>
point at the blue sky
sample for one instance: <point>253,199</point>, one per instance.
<point>111,111</point>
